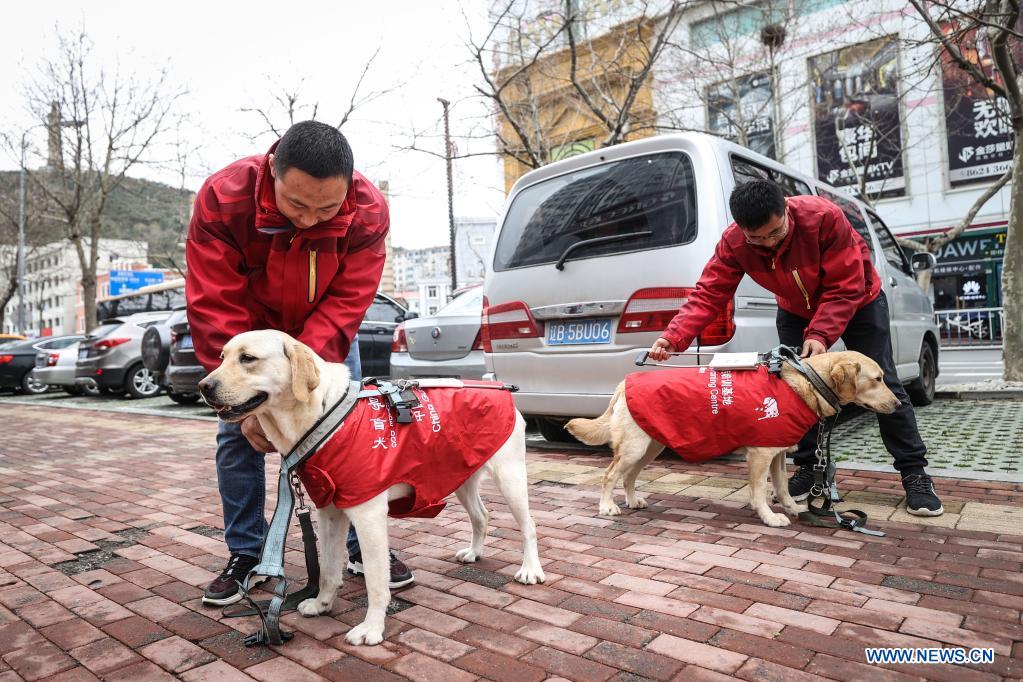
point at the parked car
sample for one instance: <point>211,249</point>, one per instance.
<point>447,344</point>
<point>167,352</point>
<point>595,254</point>
<point>111,355</point>
<point>55,366</point>
<point>18,362</point>
<point>167,348</point>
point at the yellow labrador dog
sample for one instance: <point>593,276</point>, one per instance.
<point>853,377</point>
<point>288,387</point>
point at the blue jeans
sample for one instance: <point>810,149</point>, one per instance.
<point>241,478</point>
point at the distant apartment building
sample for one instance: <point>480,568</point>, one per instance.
<point>473,242</point>
<point>52,277</point>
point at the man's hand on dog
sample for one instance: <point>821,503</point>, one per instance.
<point>812,347</point>
<point>253,433</point>
<point>660,350</point>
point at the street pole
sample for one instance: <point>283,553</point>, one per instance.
<point>451,207</point>
<point>21,239</point>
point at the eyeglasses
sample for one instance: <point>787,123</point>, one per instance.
<point>776,233</point>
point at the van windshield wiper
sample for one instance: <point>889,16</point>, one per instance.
<point>560,265</point>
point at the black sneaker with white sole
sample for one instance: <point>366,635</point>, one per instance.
<point>921,500</point>
<point>801,482</point>
<point>224,590</point>
<point>400,573</point>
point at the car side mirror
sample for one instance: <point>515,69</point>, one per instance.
<point>407,316</point>
<point>923,260</point>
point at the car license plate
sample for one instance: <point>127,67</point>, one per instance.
<point>83,353</point>
<point>579,331</point>
<point>186,341</point>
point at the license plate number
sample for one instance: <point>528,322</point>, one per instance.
<point>83,353</point>
<point>186,341</point>
<point>579,331</point>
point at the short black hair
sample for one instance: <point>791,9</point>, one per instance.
<point>753,203</point>
<point>315,148</point>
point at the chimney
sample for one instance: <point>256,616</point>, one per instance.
<point>55,148</point>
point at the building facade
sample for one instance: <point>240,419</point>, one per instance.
<point>52,280</point>
<point>858,95</point>
<point>474,238</point>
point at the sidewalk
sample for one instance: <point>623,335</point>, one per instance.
<point>109,525</point>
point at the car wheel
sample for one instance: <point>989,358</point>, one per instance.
<point>106,390</point>
<point>921,390</point>
<point>32,386</point>
<point>553,430</point>
<point>183,398</point>
<point>73,390</point>
<point>141,383</point>
<point>90,389</point>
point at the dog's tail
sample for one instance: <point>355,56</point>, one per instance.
<point>596,431</point>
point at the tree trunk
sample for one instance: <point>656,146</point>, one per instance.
<point>1012,272</point>
<point>89,299</point>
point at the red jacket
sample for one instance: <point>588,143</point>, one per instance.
<point>453,433</point>
<point>701,413</point>
<point>821,271</point>
<point>249,268</point>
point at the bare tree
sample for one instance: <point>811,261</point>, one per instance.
<point>570,71</point>
<point>37,231</point>
<point>951,23</point>
<point>102,124</point>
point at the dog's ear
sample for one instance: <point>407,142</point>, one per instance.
<point>305,377</point>
<point>843,380</point>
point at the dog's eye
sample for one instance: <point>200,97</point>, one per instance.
<point>245,358</point>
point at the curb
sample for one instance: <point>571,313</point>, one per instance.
<point>1013,394</point>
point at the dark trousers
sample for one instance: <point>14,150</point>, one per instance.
<point>868,332</point>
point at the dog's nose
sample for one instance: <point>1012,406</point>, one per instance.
<point>208,385</point>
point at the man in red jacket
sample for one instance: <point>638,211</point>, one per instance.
<point>804,250</point>
<point>292,240</point>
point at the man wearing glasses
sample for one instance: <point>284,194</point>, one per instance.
<point>806,253</point>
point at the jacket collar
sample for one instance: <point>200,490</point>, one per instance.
<point>271,221</point>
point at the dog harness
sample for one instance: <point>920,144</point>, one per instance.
<point>702,413</point>
<point>449,435</point>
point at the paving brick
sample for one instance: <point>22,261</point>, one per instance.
<point>543,612</point>
<point>77,674</point>
<point>431,644</point>
<point>559,638</point>
<point>279,669</point>
<point>646,664</point>
<point>420,668</point>
<point>500,668</point>
<point>499,642</point>
<point>136,631</point>
<point>193,626</point>
<point>652,602</point>
<point>38,661</point>
<point>351,668</point>
<point>757,669</point>
<point>612,631</point>
<point>737,621</point>
<point>485,615</point>
<point>176,655</point>
<point>801,619</point>
<point>104,655</point>
<point>568,665</point>
<point>124,592</point>
<point>218,671</point>
<point>761,647</point>
<point>44,613</point>
<point>697,653</point>
<point>18,635</point>
<point>958,636</point>
<point>71,633</point>
<point>851,671</point>
<point>853,614</point>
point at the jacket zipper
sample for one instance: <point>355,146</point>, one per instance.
<point>773,258</point>
<point>799,283</point>
<point>312,276</point>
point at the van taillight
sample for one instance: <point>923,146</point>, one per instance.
<point>650,310</point>
<point>511,320</point>
<point>51,359</point>
<point>399,344</point>
<point>721,329</point>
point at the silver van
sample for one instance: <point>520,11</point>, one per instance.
<point>595,254</point>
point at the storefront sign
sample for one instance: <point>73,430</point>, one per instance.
<point>976,120</point>
<point>856,117</point>
<point>744,105</point>
<point>973,247</point>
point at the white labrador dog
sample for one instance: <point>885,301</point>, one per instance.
<point>288,387</point>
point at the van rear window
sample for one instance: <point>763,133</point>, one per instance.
<point>620,200</point>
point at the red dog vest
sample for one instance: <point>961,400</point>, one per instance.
<point>454,431</point>
<point>702,413</point>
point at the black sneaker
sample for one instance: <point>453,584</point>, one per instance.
<point>921,500</point>
<point>224,590</point>
<point>801,482</point>
<point>400,573</point>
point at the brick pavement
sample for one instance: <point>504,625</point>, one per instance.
<point>108,525</point>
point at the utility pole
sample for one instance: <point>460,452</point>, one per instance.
<point>451,207</point>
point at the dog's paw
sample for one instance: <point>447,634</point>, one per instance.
<point>313,607</point>
<point>530,575</point>
<point>794,509</point>
<point>776,520</point>
<point>638,503</point>
<point>363,633</point>
<point>467,555</point>
<point>612,510</point>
